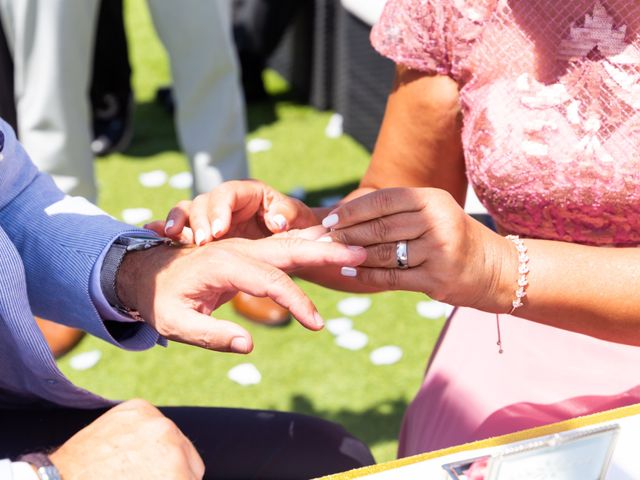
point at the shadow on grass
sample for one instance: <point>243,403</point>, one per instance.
<point>377,424</point>
<point>314,198</point>
<point>154,128</point>
<point>153,131</point>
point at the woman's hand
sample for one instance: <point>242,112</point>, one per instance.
<point>246,208</point>
<point>451,257</point>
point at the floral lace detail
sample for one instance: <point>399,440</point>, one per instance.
<point>550,94</point>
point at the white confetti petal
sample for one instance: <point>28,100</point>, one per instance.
<point>334,127</point>
<point>245,374</point>
<point>298,192</point>
<point>352,340</point>
<point>181,180</point>
<point>257,145</point>
<point>353,306</point>
<point>330,201</point>
<point>134,216</point>
<point>433,309</point>
<point>86,360</point>
<point>386,355</point>
<point>338,326</point>
<point>153,179</point>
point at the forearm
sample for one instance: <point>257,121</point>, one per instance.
<point>590,290</point>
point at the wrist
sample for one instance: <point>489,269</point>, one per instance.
<point>501,261</point>
<point>136,279</point>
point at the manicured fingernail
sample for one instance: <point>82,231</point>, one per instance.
<point>348,272</point>
<point>318,320</point>
<point>330,221</point>
<point>326,239</point>
<point>280,221</point>
<point>199,237</point>
<point>216,227</point>
<point>239,345</point>
<point>169,224</point>
<point>355,248</point>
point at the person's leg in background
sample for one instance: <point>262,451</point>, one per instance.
<point>111,94</point>
<point>258,28</point>
<point>210,112</point>
<point>51,42</point>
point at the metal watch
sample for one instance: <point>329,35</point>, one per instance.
<point>130,242</point>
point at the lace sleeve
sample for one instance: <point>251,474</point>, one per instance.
<point>432,36</point>
<point>413,33</point>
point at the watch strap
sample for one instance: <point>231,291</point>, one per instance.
<point>108,274</point>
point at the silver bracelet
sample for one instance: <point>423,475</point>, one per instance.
<point>523,282</point>
<point>523,272</point>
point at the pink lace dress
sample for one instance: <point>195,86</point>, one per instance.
<point>550,93</point>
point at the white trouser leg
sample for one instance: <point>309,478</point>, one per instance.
<point>52,47</point>
<point>210,108</point>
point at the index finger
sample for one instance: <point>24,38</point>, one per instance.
<point>291,252</point>
<point>380,203</point>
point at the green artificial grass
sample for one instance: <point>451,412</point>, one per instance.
<point>301,371</point>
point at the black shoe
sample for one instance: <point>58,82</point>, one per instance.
<point>164,98</point>
<point>112,124</point>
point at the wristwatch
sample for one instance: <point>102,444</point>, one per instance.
<point>43,466</point>
<point>131,242</point>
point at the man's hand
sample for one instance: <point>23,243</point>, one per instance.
<point>176,289</point>
<point>131,441</point>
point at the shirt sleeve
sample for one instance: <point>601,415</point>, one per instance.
<point>22,471</point>
<point>432,36</point>
<point>59,240</point>
<point>413,33</point>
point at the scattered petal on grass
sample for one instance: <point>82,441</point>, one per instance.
<point>86,360</point>
<point>433,309</point>
<point>181,180</point>
<point>245,374</point>
<point>134,216</point>
<point>338,326</point>
<point>257,145</point>
<point>386,355</point>
<point>153,179</point>
<point>330,201</point>
<point>352,340</point>
<point>354,306</point>
<point>298,192</point>
<point>334,127</point>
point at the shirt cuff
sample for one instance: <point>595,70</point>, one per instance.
<point>22,471</point>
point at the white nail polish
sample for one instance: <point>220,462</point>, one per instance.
<point>326,239</point>
<point>169,224</point>
<point>348,272</point>
<point>330,221</point>
<point>199,237</point>
<point>216,227</point>
<point>280,221</point>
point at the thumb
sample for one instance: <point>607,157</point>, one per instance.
<point>286,213</point>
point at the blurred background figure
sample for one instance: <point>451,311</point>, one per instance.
<point>51,44</point>
<point>47,55</point>
<point>111,94</point>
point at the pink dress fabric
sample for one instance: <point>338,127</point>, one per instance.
<point>550,95</point>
